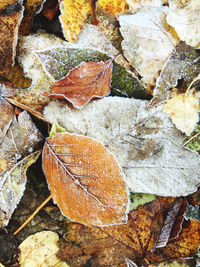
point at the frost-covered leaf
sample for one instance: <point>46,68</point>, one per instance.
<point>40,250</point>
<point>74,14</point>
<point>145,143</point>
<point>113,7</point>
<point>193,212</point>
<point>58,61</point>
<point>185,19</point>
<point>183,64</point>
<point>21,138</point>
<point>10,18</point>
<point>183,110</point>
<point>85,180</point>
<point>87,81</point>
<point>12,186</point>
<point>147,42</point>
<point>137,4</point>
<point>140,199</point>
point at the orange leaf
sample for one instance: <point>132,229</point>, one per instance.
<point>110,246</point>
<point>88,80</point>
<point>85,180</point>
<point>113,7</point>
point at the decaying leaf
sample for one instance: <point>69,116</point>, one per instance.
<point>145,142</point>
<point>74,14</point>
<point>110,246</point>
<point>85,180</point>
<point>10,18</point>
<point>183,64</point>
<point>16,77</point>
<point>183,110</point>
<point>22,138</point>
<point>87,81</point>
<point>193,212</point>
<point>185,20</point>
<point>12,186</point>
<point>147,41</point>
<point>113,7</point>
<point>40,250</point>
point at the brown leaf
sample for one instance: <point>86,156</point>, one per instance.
<point>88,80</point>
<point>110,246</point>
<point>10,18</point>
<point>85,180</point>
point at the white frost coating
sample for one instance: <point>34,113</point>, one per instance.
<point>135,4</point>
<point>186,21</point>
<point>145,143</point>
<point>147,43</point>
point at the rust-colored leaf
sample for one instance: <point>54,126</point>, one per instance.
<point>88,80</point>
<point>110,246</point>
<point>10,18</point>
<point>85,180</point>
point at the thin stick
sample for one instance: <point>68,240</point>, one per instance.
<point>33,215</point>
<point>194,136</point>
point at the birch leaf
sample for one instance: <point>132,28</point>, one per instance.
<point>87,81</point>
<point>145,143</point>
<point>74,14</point>
<point>12,186</point>
<point>85,180</point>
<point>185,20</point>
<point>40,250</point>
<point>147,41</point>
<point>183,110</point>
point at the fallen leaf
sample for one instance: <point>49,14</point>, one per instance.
<point>147,42</point>
<point>12,186</point>
<point>40,250</point>
<point>145,142</point>
<point>87,81</point>
<point>185,19</point>
<point>183,110</point>
<point>140,199</point>
<point>10,18</point>
<point>32,7</point>
<point>137,4</point>
<point>193,212</point>
<point>51,9</point>
<point>112,7</point>
<point>183,65</point>
<point>112,245</point>
<point>16,76</point>
<point>85,180</point>
<point>74,15</point>
<point>21,138</point>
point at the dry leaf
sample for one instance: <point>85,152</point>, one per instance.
<point>147,42</point>
<point>85,180</point>
<point>183,110</point>
<point>186,20</point>
<point>87,81</point>
<point>73,16</point>
<point>10,18</point>
<point>40,250</point>
<point>12,186</point>
<point>145,142</point>
<point>113,7</point>
<point>110,246</point>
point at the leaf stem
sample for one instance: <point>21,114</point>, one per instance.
<point>33,215</point>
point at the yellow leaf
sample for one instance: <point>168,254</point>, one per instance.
<point>74,14</point>
<point>112,6</point>
<point>40,250</point>
<point>183,110</point>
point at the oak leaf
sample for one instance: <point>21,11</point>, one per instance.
<point>183,110</point>
<point>136,240</point>
<point>145,142</point>
<point>40,250</point>
<point>73,16</point>
<point>10,18</point>
<point>12,186</point>
<point>87,81</point>
<point>85,180</point>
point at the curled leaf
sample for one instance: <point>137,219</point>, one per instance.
<point>87,81</point>
<point>85,180</point>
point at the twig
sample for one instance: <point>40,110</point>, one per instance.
<point>33,215</point>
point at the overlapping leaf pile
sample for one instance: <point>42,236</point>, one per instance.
<point>104,143</point>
